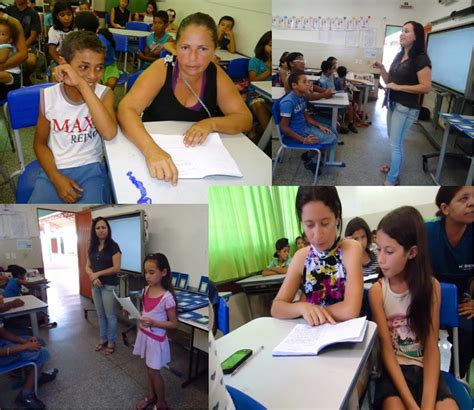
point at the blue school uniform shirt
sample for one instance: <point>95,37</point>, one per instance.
<point>327,82</point>
<point>152,42</point>
<point>450,264</point>
<point>110,57</point>
<point>12,288</point>
<point>294,107</point>
<point>257,65</point>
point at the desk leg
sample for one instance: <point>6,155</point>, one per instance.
<point>439,167</point>
<point>334,117</point>
<point>267,135</point>
<point>34,324</point>
<point>190,360</point>
<point>470,173</point>
<point>366,99</point>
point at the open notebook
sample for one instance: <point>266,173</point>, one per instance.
<point>306,340</point>
<point>210,158</point>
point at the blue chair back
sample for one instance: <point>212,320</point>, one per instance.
<point>132,79</point>
<point>243,401</point>
<point>164,53</point>
<point>223,323</point>
<point>121,43</point>
<point>174,279</point>
<point>203,285</point>
<point>276,111</point>
<point>238,69</point>
<point>449,306</point>
<point>137,25</point>
<point>183,281</point>
<point>107,19</point>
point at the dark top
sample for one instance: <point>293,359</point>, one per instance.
<point>166,107</point>
<point>224,43</point>
<point>28,18</point>
<point>406,74</point>
<point>450,264</point>
<point>121,17</point>
<point>103,260</point>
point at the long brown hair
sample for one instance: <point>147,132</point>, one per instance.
<point>406,226</point>
<point>161,262</point>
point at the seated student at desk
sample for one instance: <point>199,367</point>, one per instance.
<point>225,35</point>
<point>188,87</point>
<point>330,268</point>
<point>281,258</point>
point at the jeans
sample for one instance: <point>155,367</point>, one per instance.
<point>93,179</point>
<point>399,121</point>
<point>105,304</point>
<point>327,139</point>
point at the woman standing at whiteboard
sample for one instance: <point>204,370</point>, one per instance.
<point>408,77</point>
<point>103,265</point>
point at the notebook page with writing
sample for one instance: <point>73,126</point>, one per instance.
<point>305,340</point>
<point>210,158</point>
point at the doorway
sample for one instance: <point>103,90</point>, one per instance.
<point>391,45</point>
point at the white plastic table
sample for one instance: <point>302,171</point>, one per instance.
<point>32,306</point>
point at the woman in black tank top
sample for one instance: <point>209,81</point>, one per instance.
<point>188,87</point>
<point>120,15</point>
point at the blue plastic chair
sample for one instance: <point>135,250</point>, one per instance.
<point>18,365</point>
<point>137,25</point>
<point>135,46</point>
<point>23,106</point>
<point>223,323</point>
<point>121,46</point>
<point>5,115</point>
<point>203,285</point>
<point>183,281</point>
<point>131,80</point>
<point>243,401</point>
<point>174,279</point>
<point>289,143</point>
<point>238,69</point>
<point>107,19</point>
<point>449,319</point>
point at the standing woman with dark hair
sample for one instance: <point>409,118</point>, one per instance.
<point>188,87</point>
<point>408,77</point>
<point>450,245</point>
<point>330,269</point>
<point>359,230</point>
<point>103,265</point>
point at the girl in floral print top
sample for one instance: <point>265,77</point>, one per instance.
<point>330,268</point>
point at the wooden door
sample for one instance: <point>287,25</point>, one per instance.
<point>83,229</point>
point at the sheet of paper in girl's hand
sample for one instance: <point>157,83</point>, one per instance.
<point>127,304</point>
<point>210,158</point>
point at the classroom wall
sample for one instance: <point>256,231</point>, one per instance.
<point>178,231</point>
<point>28,258</point>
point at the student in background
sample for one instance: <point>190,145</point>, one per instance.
<point>159,314</point>
<point>281,258</point>
<point>158,40</point>
<point>84,5</point>
<point>120,15</point>
<point>74,116</point>
<point>299,243</point>
<point>260,69</point>
<point>48,18</point>
<point>172,28</point>
<point>450,244</point>
<point>358,230</point>
<point>405,305</point>
<point>21,54</point>
<point>297,124</point>
<point>147,16</point>
<point>13,285</point>
<point>103,265</point>
<point>89,22</point>
<point>189,87</point>
<point>330,269</point>
<point>10,79</point>
<point>63,24</point>
<point>225,34</point>
<point>283,71</point>
<point>31,24</point>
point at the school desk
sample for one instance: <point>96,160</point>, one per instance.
<point>199,339</point>
<point>188,301</point>
<point>313,77</point>
<point>364,87</point>
<point>38,283</point>
<point>31,307</point>
<point>264,89</point>
<point>325,381</point>
<point>129,33</point>
<point>259,284</point>
<point>131,180</point>
<point>339,100</point>
<point>227,56</point>
<point>463,123</point>
<point>277,92</point>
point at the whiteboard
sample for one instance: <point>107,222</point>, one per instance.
<point>261,6</point>
<point>13,225</point>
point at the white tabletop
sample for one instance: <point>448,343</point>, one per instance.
<point>32,303</point>
<point>264,88</point>
<point>338,100</point>
<point>129,33</point>
<point>202,311</point>
<point>123,156</point>
<point>225,55</point>
<point>277,92</point>
<point>313,77</point>
<point>262,280</point>
<point>324,381</point>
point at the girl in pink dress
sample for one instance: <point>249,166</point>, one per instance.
<point>158,315</point>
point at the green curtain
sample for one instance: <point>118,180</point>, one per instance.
<point>244,223</point>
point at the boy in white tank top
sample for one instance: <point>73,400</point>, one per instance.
<point>75,115</point>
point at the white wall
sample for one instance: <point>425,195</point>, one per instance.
<point>178,231</point>
<point>28,258</point>
<point>252,18</point>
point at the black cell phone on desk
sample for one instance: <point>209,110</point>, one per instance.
<point>235,360</point>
